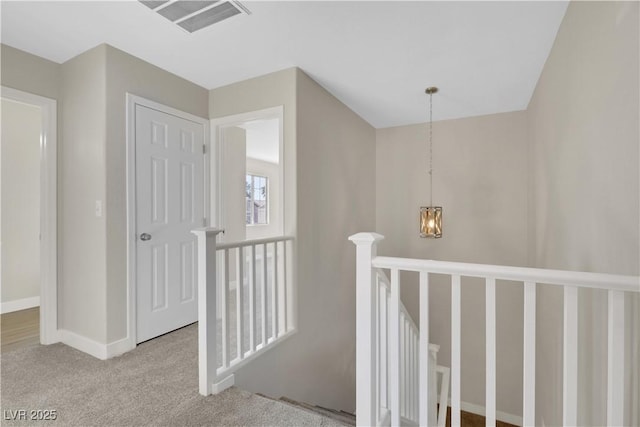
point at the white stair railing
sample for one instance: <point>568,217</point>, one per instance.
<point>234,329</point>
<point>367,265</point>
<point>392,388</point>
<point>409,363</point>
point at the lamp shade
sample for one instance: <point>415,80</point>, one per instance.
<point>431,222</point>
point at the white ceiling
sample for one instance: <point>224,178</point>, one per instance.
<point>376,57</point>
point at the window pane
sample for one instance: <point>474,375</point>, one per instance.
<point>256,193</point>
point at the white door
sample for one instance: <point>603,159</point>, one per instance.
<point>169,193</point>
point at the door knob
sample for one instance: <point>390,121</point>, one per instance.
<point>145,236</point>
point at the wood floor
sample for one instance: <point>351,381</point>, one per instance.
<point>19,329</point>
<point>467,419</point>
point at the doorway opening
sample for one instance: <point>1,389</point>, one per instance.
<point>28,236</point>
<point>248,186</point>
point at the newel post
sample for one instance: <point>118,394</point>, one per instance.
<point>207,350</point>
<point>366,353</point>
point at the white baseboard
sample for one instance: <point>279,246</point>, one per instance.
<point>94,348</point>
<point>223,385</point>
<point>118,348</point>
<point>84,344</point>
<point>19,304</point>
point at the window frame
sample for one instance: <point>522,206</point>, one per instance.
<point>252,192</point>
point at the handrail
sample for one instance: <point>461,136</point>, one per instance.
<point>368,266</point>
<point>245,243</point>
<point>520,274</point>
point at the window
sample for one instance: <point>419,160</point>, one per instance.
<point>257,197</point>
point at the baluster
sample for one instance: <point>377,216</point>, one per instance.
<point>379,344</point>
<point>274,292</point>
<point>394,344</point>
<point>412,376</point>
<point>407,375</point>
<point>282,292</point>
<point>384,346</point>
<point>490,360</point>
<point>570,358</point>
<point>403,365</point>
<point>288,300</point>
<point>529,358</point>
<point>417,385</point>
<point>225,310</point>
<point>444,394</point>
<point>240,301</point>
<point>615,359</point>
<point>416,382</point>
<point>263,295</point>
<point>411,372</point>
<point>425,406</point>
<point>252,301</point>
<point>409,369</point>
<point>455,350</point>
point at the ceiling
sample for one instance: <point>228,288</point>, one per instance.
<point>376,57</point>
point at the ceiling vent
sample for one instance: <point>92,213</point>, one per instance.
<point>194,15</point>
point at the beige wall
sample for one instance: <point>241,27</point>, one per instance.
<point>125,73</point>
<point>81,234</point>
<point>20,229</point>
<point>583,128</point>
<point>233,159</point>
<point>335,154</point>
<point>480,180</point>
<point>29,73</point>
<point>336,195</point>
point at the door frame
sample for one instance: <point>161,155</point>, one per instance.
<point>216,179</point>
<point>48,210</point>
<point>133,101</point>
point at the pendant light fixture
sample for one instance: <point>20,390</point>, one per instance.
<point>431,216</point>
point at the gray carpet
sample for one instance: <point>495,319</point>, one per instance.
<point>154,385</point>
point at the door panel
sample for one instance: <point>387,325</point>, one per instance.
<point>188,271</point>
<point>169,204</point>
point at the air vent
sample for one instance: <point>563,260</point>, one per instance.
<point>194,15</point>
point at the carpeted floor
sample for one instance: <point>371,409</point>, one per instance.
<point>154,385</point>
